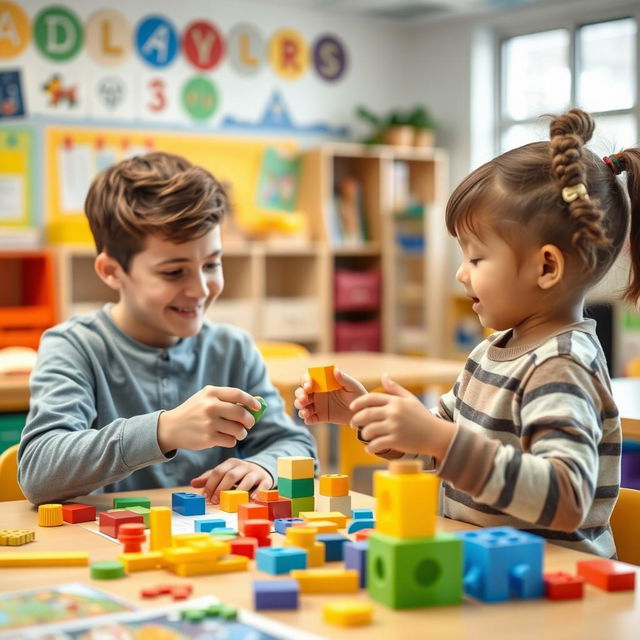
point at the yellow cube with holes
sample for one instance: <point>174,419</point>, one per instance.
<point>296,467</point>
<point>229,500</point>
<point>334,485</point>
<point>323,379</point>
<point>407,504</point>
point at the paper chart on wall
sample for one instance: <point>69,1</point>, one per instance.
<point>77,169</point>
<point>12,189</point>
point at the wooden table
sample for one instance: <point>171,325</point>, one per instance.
<point>600,615</point>
<point>14,393</point>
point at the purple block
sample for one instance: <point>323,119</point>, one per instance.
<point>276,594</point>
<point>355,557</point>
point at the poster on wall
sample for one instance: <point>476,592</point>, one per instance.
<point>111,97</point>
<point>11,98</point>
<point>59,92</point>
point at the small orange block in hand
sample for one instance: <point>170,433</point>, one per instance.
<point>323,379</point>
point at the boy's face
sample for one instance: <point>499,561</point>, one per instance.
<point>168,289</point>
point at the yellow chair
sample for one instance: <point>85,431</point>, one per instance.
<point>281,349</point>
<point>625,524</point>
<point>632,368</point>
<point>9,487</point>
<point>351,453</point>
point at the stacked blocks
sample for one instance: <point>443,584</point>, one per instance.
<point>132,536</point>
<point>609,575</point>
<point>232,499</point>
<point>198,557</point>
<point>277,506</point>
<point>305,538</point>
<point>331,516</point>
<point>187,504</point>
<point>74,513</point>
<point>408,564</point>
<point>295,481</point>
<point>323,379</point>
<point>244,547</point>
<point>111,521</point>
<point>280,560</point>
<point>275,594</point>
<point>334,494</point>
<point>251,511</point>
<point>362,519</point>
<point>500,561</point>
<point>143,511</point>
<point>258,529</point>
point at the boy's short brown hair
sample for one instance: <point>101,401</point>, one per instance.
<point>156,194</point>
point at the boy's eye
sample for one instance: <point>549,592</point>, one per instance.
<point>474,261</point>
<point>212,266</point>
<point>172,274</point>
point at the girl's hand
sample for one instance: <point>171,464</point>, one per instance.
<point>232,474</point>
<point>330,406</point>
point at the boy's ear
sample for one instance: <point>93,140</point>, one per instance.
<point>109,270</point>
<point>551,266</point>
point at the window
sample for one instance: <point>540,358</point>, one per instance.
<point>591,66</point>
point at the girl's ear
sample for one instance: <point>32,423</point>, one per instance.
<point>551,266</point>
<point>109,271</point>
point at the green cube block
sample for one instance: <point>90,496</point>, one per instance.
<point>302,504</point>
<point>124,503</point>
<point>298,488</point>
<point>414,572</point>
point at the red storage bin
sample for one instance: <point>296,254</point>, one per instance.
<point>357,290</point>
<point>357,336</point>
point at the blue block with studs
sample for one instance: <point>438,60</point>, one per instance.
<point>278,560</point>
<point>188,504</point>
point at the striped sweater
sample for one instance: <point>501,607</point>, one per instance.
<point>538,440</point>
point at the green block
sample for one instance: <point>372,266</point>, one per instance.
<point>298,488</point>
<point>143,511</point>
<point>257,414</point>
<point>414,572</point>
<point>301,504</point>
<point>124,503</point>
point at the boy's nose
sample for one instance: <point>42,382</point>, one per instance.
<point>199,287</point>
<point>461,274</point>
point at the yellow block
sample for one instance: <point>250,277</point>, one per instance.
<point>301,536</point>
<point>226,565</point>
<point>406,503</point>
<point>316,552</point>
<point>160,526</point>
<point>143,561</point>
<point>187,539</point>
<point>50,515</point>
<point>321,526</point>
<point>333,516</point>
<point>196,554</point>
<point>45,559</point>
<point>16,537</point>
<point>348,613</point>
<point>229,500</point>
<point>327,580</point>
<point>296,467</point>
<point>334,484</point>
<point>323,379</point>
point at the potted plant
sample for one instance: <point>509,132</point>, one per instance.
<point>399,131</point>
<point>423,126</point>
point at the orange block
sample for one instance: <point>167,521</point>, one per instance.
<point>230,500</point>
<point>334,485</point>
<point>323,379</point>
<point>268,495</point>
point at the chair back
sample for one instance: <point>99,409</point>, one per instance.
<point>625,524</point>
<point>282,349</point>
<point>9,487</point>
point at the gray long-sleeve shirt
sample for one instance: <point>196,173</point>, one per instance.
<point>96,395</point>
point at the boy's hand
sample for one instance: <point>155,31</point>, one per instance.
<point>330,406</point>
<point>212,417</point>
<point>398,421</point>
<point>232,474</point>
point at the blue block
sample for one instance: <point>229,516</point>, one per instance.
<point>333,544</point>
<point>277,560</point>
<point>276,594</point>
<point>500,562</point>
<point>282,524</point>
<point>224,531</point>
<point>187,504</point>
<point>355,557</point>
<point>358,514</point>
<point>361,523</point>
<point>207,524</point>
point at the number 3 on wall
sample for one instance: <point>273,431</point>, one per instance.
<point>158,98</point>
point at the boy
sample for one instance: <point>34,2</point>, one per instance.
<point>145,393</point>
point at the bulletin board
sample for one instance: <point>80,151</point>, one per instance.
<point>16,177</point>
<point>74,156</point>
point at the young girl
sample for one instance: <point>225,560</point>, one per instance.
<point>529,436</point>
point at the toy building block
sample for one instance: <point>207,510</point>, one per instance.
<point>50,515</point>
<point>187,504</point>
<point>361,524</point>
<point>326,580</point>
<point>321,526</point>
<point>362,514</point>
<point>110,521</point>
<point>563,586</point>
<point>108,570</point>
<point>197,550</point>
<point>189,539</point>
<point>181,592</point>
<point>500,561</point>
<point>134,501</point>
<point>205,525</point>
<point>16,537</point>
<point>280,508</point>
<point>282,524</point>
<point>267,495</point>
<point>275,594</point>
<point>296,488</point>
<point>333,545</point>
<point>305,538</point>
<point>258,529</point>
<point>142,560</point>
<point>341,504</point>
<point>143,511</point>
<point>355,557</point>
<point>281,559</point>
<point>132,535</point>
<point>160,528</point>
<point>363,534</point>
<point>609,575</point>
<point>323,379</point>
<point>251,511</point>
<point>414,572</point>
<point>224,565</point>
<point>294,467</point>
<point>299,505</point>
<point>333,516</point>
<point>244,547</point>
<point>230,500</point>
<point>334,484</point>
<point>74,513</point>
<point>348,613</point>
<point>257,413</point>
<point>45,559</point>
<point>224,533</point>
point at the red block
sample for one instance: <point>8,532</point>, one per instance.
<point>280,508</point>
<point>609,575</point>
<point>257,528</point>
<point>244,547</point>
<point>131,534</point>
<point>363,534</point>
<point>110,521</point>
<point>75,513</point>
<point>563,586</point>
<point>251,511</point>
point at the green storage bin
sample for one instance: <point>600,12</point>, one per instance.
<point>11,425</point>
